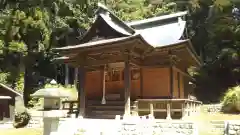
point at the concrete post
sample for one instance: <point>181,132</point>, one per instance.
<point>151,109</point>
<point>168,111</point>
<point>194,109</point>
<point>183,110</point>
<point>187,109</point>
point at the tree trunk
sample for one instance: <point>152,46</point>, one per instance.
<point>66,75</point>
<point>26,95</point>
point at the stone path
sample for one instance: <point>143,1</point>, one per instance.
<point>6,124</point>
<point>130,127</point>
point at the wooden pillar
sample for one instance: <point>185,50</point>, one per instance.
<point>127,85</point>
<point>171,83</point>
<point>81,91</point>
<point>141,82</point>
<point>179,83</point>
<point>171,80</point>
<point>76,76</point>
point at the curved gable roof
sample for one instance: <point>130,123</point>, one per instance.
<point>115,22</point>
<point>155,32</point>
<point>106,17</point>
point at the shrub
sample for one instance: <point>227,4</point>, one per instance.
<point>21,119</point>
<point>231,100</point>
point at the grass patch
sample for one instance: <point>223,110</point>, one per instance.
<point>216,116</point>
<point>204,116</point>
<point>203,120</point>
<point>21,131</point>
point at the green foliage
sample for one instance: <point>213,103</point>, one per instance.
<point>20,83</point>
<point>231,100</point>
<point>1,47</point>
<point>3,77</point>
<point>21,119</point>
<point>38,102</point>
<point>137,9</point>
<point>216,38</point>
<point>17,46</point>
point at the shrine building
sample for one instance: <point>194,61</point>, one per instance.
<point>139,67</point>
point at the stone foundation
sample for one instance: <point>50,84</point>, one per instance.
<point>233,128</point>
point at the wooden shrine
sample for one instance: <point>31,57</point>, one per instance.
<point>120,63</point>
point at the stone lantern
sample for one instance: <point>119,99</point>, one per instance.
<point>50,112</point>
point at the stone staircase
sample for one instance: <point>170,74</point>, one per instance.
<point>104,111</point>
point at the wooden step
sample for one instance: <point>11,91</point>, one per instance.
<point>114,102</point>
<point>108,112</point>
<point>106,107</point>
<point>104,114</point>
<point>101,116</point>
<point>113,96</point>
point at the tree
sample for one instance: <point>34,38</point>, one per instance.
<point>26,28</point>
<point>215,24</point>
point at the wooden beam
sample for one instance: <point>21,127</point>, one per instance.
<point>165,50</point>
<point>89,63</point>
<point>196,60</point>
<point>182,72</point>
<point>136,62</point>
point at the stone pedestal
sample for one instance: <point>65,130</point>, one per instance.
<point>50,125</point>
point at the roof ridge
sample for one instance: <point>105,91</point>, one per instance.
<point>157,18</point>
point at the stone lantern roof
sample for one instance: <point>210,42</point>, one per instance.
<point>53,92</point>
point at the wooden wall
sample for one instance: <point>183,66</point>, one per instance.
<point>93,84</point>
<point>156,84</point>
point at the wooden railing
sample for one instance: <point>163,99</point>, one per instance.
<point>71,106</point>
<point>186,107</point>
